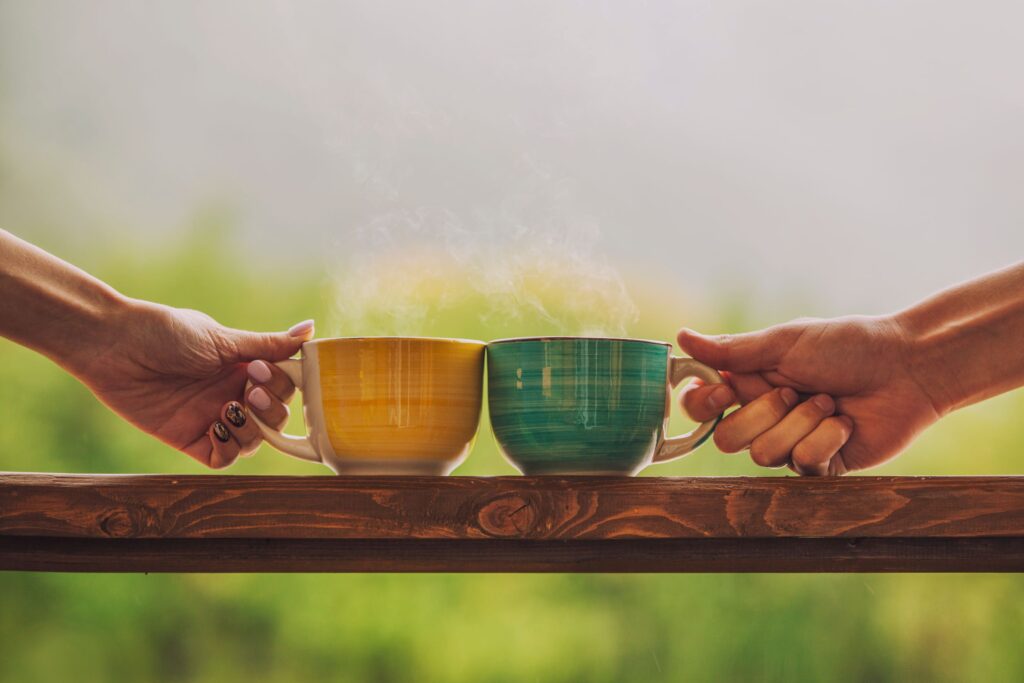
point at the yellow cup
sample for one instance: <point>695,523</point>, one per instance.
<point>385,405</point>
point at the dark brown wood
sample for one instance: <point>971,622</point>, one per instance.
<point>490,555</point>
<point>228,523</point>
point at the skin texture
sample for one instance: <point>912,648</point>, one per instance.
<point>175,370</point>
<point>174,373</point>
<point>880,381</point>
<point>856,366</point>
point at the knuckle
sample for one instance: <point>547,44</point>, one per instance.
<point>225,346</point>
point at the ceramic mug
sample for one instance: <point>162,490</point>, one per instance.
<point>580,405</point>
<point>385,405</point>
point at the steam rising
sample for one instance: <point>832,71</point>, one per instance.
<point>427,271</point>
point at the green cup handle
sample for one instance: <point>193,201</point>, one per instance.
<point>672,447</point>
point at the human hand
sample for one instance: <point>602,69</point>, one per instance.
<point>179,375</point>
<point>863,402</point>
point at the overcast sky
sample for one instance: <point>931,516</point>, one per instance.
<point>862,152</point>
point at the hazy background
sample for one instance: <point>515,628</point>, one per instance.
<point>859,153</point>
<point>491,169</point>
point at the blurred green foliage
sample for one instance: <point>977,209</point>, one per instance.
<point>472,628</point>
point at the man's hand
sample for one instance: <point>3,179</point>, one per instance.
<point>822,396</point>
<point>178,374</point>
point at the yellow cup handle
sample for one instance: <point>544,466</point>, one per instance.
<point>296,446</point>
<point>681,367</point>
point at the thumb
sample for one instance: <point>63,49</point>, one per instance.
<point>749,352</point>
<point>246,346</point>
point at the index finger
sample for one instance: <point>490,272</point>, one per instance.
<point>703,402</point>
<point>272,377</point>
<point>749,386</point>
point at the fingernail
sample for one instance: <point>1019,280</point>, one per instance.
<point>221,432</point>
<point>301,329</point>
<point>825,403</point>
<point>259,398</point>
<point>789,397</point>
<point>720,397</point>
<point>235,415</point>
<point>259,371</point>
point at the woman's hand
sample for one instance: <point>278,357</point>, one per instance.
<point>861,403</point>
<point>179,375</point>
<point>174,373</point>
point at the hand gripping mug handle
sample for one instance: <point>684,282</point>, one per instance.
<point>296,446</point>
<point>681,367</point>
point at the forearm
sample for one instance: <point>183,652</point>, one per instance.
<point>53,307</point>
<point>967,342</point>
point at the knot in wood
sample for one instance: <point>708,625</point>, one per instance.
<point>509,515</point>
<point>118,524</point>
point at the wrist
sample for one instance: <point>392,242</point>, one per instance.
<point>960,360</point>
<point>95,338</point>
<point>926,351</point>
<point>964,343</point>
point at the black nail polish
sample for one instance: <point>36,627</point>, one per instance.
<point>221,432</point>
<point>235,414</point>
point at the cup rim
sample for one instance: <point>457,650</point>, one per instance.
<point>571,338</point>
<point>397,338</point>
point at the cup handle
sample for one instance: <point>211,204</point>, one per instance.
<point>296,446</point>
<point>681,367</point>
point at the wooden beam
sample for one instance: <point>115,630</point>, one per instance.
<point>230,523</point>
<point>28,553</point>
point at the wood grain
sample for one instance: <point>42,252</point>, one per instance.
<point>228,523</point>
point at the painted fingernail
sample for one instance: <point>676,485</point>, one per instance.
<point>720,397</point>
<point>221,432</point>
<point>235,414</point>
<point>824,403</point>
<point>259,371</point>
<point>789,397</point>
<point>301,329</point>
<point>259,398</point>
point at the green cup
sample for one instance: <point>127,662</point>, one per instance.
<point>581,405</point>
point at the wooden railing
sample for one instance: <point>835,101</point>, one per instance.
<point>58,522</point>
